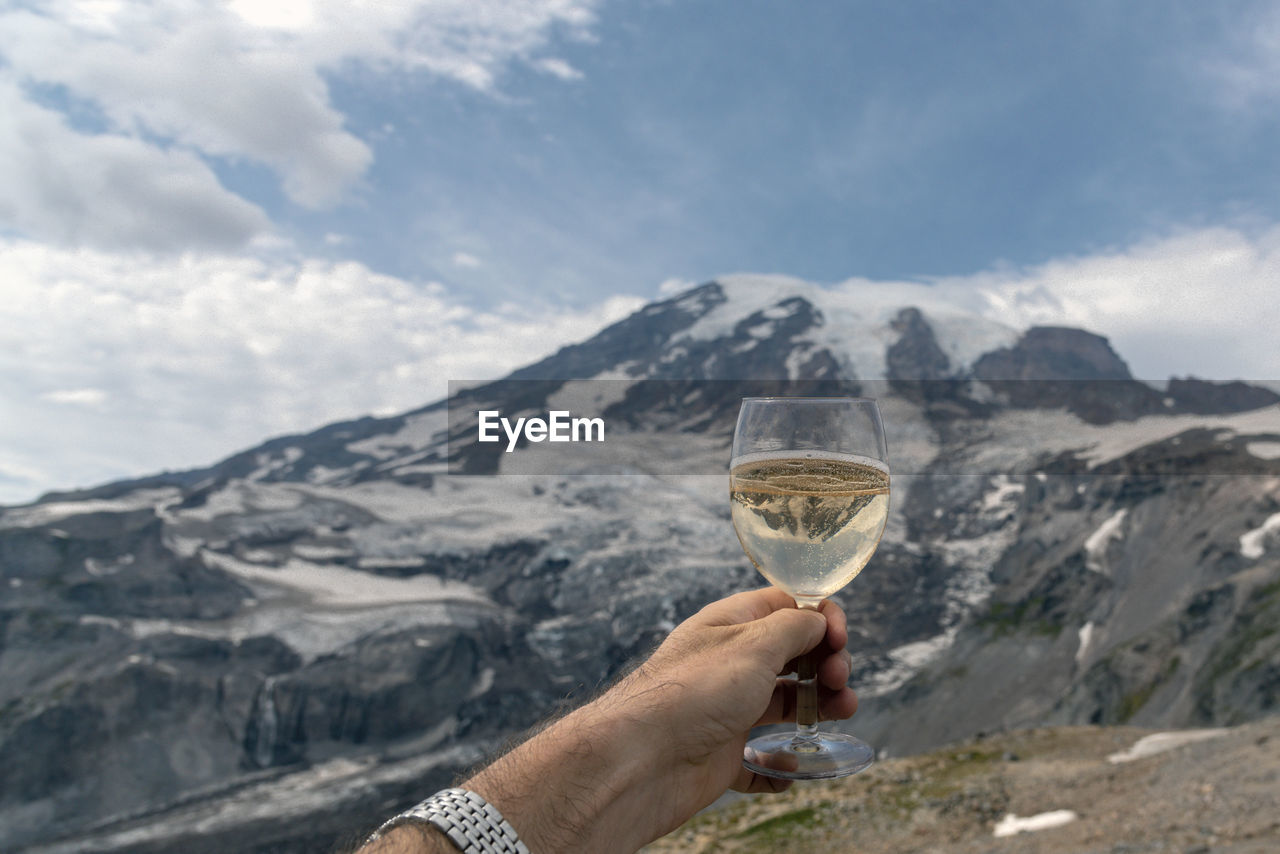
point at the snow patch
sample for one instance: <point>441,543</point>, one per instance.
<point>857,314</point>
<point>314,631</point>
<point>1006,492</point>
<point>42,514</point>
<point>99,620</point>
<point>1264,450</point>
<point>1161,741</point>
<point>267,464</point>
<point>964,338</point>
<point>1086,635</point>
<point>744,295</point>
<point>778,312</point>
<point>322,553</point>
<point>392,562</point>
<point>1114,441</point>
<point>427,468</point>
<point>904,662</point>
<point>590,397</point>
<point>99,567</point>
<point>1012,825</point>
<point>484,681</point>
<point>391,502</point>
<point>324,474</point>
<point>1252,544</point>
<point>417,432</point>
<point>1095,548</point>
<point>673,354</point>
<point>240,497</point>
<point>797,357</point>
<point>337,586</point>
<point>623,371</point>
<point>1019,438</point>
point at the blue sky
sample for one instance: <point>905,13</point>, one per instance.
<point>225,221</point>
<point>827,140</point>
<point>889,140</point>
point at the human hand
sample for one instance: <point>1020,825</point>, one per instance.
<point>667,739</point>
<point>718,675</point>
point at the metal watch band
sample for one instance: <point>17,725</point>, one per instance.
<point>472,824</point>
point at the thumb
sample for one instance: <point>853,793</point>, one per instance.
<point>789,633</point>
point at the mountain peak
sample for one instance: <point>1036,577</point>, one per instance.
<point>1054,352</point>
<point>779,327</point>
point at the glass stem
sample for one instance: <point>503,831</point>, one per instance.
<point>807,696</point>
<point>807,692</point>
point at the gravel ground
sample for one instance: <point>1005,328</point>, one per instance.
<point>1217,795</point>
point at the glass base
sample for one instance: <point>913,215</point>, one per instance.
<point>819,757</point>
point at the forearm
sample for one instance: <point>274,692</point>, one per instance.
<point>583,785</point>
<point>577,786</point>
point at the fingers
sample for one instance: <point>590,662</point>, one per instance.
<point>837,624</point>
<point>833,704</point>
<point>752,783</point>
<point>787,634</point>
<point>745,607</point>
<point>838,705</point>
<point>834,670</point>
<point>771,626</point>
<point>761,603</point>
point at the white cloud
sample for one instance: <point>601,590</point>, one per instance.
<point>121,364</point>
<point>185,72</point>
<point>171,81</point>
<point>109,189</point>
<point>1202,303</point>
<point>558,68</point>
<point>466,260</point>
<point>76,396</point>
<point>671,287</point>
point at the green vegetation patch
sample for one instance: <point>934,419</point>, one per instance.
<point>1133,701</point>
<point>1247,644</point>
<point>781,827</point>
<point>1008,618</point>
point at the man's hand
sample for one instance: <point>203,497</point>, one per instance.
<point>667,740</point>
<point>717,676</point>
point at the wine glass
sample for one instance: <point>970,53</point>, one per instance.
<point>809,490</point>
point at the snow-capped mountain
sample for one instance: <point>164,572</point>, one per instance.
<point>276,650</point>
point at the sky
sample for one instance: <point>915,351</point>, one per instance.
<point>226,221</point>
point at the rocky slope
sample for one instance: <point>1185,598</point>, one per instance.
<point>1065,790</point>
<point>268,653</point>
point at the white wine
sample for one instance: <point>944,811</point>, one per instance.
<point>809,521</point>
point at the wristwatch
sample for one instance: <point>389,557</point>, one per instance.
<point>472,824</point>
